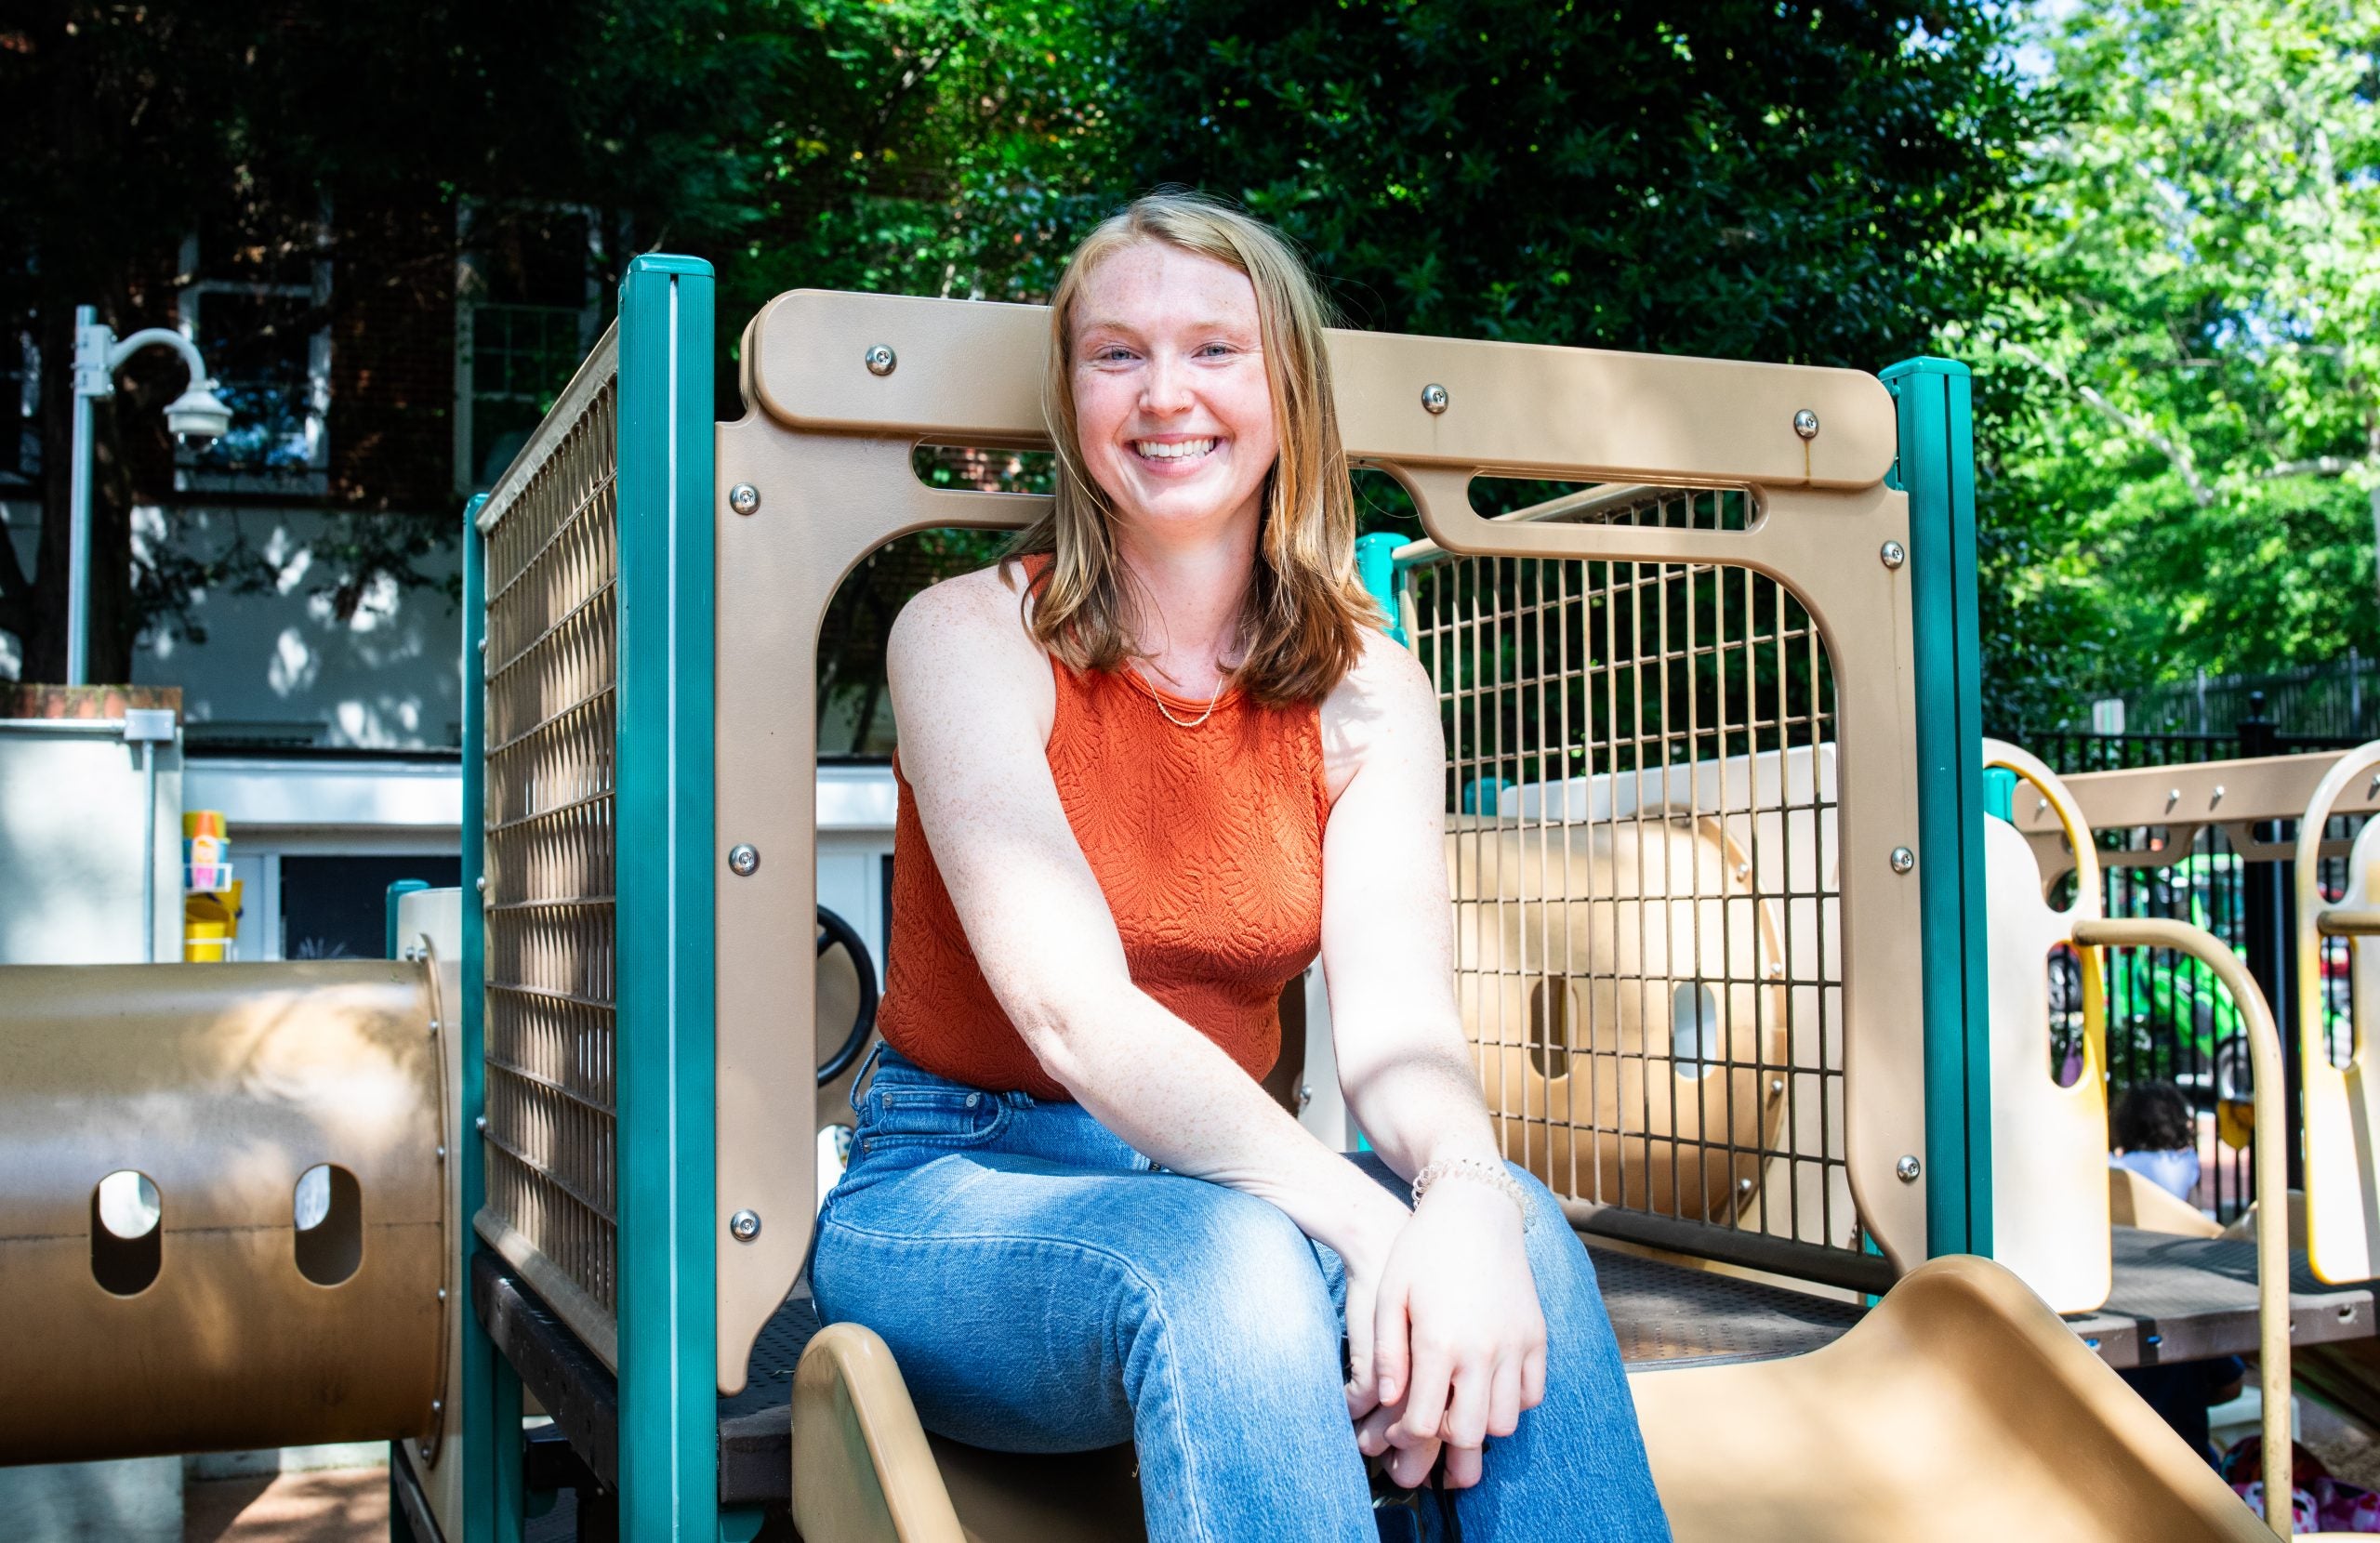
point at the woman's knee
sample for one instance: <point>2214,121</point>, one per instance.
<point>1238,1276</point>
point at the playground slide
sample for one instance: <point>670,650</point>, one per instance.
<point>1960,1408</point>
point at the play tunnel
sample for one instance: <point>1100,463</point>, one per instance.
<point>223,1220</point>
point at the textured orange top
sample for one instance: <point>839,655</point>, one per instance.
<point>1206,843</point>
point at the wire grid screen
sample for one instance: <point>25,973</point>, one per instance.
<point>551,669</point>
<point>2169,1019</point>
<point>1641,811</point>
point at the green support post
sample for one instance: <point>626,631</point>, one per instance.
<point>667,1313</point>
<point>1936,469</point>
<point>1376,566</point>
<point>490,1396</point>
<point>397,893</point>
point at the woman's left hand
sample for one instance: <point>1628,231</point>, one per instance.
<point>1459,1343</point>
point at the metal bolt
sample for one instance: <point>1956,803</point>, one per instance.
<point>1893,554</point>
<point>744,1226</point>
<point>482,645</point>
<point>1776,970</point>
<point>1435,399</point>
<point>1776,1086</point>
<point>1806,423</point>
<point>1908,1169</point>
<point>434,1025</point>
<point>480,883</point>
<point>743,498</point>
<point>881,359</point>
<point>479,1124</point>
<point>1743,1186</point>
<point>1305,1096</point>
<point>437,1406</point>
<point>743,860</point>
<point>441,1293</point>
<point>1903,859</point>
<point>441,1154</point>
<point>2218,795</point>
<point>2173,797</point>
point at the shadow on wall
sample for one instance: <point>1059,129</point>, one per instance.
<point>282,667</point>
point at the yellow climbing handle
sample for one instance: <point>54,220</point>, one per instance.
<point>2348,924</point>
<point>2271,1165</point>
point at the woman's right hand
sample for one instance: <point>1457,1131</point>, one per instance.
<point>1458,1345</point>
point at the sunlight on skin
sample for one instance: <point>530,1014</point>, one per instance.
<point>1175,420</point>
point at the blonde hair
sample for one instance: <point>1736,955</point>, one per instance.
<point>1306,608</point>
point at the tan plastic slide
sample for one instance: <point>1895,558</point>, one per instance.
<point>1960,1408</point>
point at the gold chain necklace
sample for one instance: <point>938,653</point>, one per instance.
<point>1193,722</point>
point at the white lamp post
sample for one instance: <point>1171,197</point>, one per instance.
<point>196,414</point>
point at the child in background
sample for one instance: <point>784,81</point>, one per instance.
<point>2155,1133</point>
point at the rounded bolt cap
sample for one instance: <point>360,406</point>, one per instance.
<point>743,498</point>
<point>1806,423</point>
<point>1893,554</point>
<point>1435,399</point>
<point>441,1154</point>
<point>1903,859</point>
<point>743,860</point>
<point>479,884</point>
<point>881,360</point>
<point>744,1226</point>
<point>437,1406</point>
<point>479,1123</point>
<point>441,1293</point>
<point>1908,1169</point>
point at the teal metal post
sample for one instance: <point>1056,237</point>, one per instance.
<point>397,893</point>
<point>1376,566</point>
<point>490,1396</point>
<point>1936,469</point>
<point>668,1356</point>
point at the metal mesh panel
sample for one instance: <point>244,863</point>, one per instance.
<point>1641,797</point>
<point>552,563</point>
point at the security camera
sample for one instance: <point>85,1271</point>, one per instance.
<point>198,413</point>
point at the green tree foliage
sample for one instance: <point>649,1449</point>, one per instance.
<point>1743,179</point>
<point>2189,377</point>
<point>924,146</point>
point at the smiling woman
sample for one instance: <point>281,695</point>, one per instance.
<point>1149,766</point>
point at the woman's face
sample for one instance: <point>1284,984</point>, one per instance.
<point>1171,403</point>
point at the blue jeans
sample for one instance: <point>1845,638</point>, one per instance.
<point>1045,1289</point>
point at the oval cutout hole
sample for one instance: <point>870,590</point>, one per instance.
<point>328,1209</point>
<point>1694,1030</point>
<point>1549,1026</point>
<point>126,1238</point>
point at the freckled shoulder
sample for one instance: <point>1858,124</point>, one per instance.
<point>1386,701</point>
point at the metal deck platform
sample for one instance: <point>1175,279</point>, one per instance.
<point>2175,1300</point>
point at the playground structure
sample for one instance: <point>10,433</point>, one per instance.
<point>1723,885</point>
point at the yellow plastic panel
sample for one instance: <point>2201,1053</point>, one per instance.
<point>2341,1111</point>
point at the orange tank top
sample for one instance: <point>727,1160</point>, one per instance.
<point>1207,842</point>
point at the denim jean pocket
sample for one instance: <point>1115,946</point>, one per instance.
<point>901,1115</point>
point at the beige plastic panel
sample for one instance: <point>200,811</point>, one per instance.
<point>222,1083</point>
<point>2049,1144</point>
<point>1622,417</point>
<point>1960,1411</point>
<point>2341,1103</point>
<point>827,444</point>
<point>2181,800</point>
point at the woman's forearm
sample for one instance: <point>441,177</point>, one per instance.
<point>1171,1093</point>
<point>1417,1099</point>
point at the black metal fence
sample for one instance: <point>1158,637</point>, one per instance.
<point>2167,1018</point>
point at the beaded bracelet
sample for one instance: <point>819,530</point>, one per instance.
<point>1494,1174</point>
